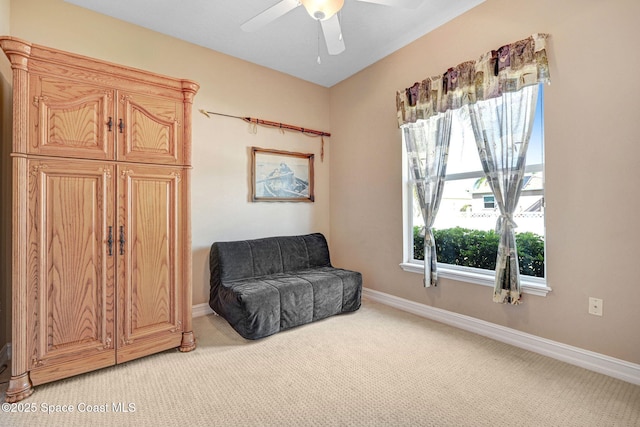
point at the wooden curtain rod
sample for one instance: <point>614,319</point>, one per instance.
<point>270,123</point>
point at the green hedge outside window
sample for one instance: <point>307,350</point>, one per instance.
<point>479,249</point>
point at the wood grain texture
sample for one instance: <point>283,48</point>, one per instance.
<point>97,148</point>
<point>149,270</point>
<point>73,298</point>
<point>71,119</point>
<point>151,133</point>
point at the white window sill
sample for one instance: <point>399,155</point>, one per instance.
<point>530,285</point>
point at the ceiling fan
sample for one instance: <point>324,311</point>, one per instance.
<point>323,11</point>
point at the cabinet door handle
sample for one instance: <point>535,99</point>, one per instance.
<point>110,124</point>
<point>122,241</point>
<point>110,240</point>
<point>121,125</point>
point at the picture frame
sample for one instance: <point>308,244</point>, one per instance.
<point>281,176</point>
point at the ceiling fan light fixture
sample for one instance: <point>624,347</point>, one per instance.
<point>322,9</point>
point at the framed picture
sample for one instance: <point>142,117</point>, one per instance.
<point>281,176</point>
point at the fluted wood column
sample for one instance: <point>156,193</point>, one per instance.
<point>18,53</point>
<point>189,90</point>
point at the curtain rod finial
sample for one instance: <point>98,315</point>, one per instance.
<point>205,113</point>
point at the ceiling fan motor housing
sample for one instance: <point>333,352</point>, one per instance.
<point>322,9</point>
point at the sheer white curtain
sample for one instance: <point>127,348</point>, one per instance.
<point>502,127</point>
<point>427,145</point>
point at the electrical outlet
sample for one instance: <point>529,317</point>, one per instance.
<point>595,306</point>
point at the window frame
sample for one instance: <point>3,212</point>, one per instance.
<point>529,284</point>
<point>489,202</point>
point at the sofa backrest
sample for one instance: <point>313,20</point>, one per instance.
<point>260,257</point>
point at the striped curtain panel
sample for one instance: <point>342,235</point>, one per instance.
<point>502,127</point>
<point>427,146</point>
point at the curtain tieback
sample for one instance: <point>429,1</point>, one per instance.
<point>504,220</point>
<point>427,237</point>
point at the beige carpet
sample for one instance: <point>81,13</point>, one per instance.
<point>376,367</point>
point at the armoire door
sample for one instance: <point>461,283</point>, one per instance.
<point>149,129</point>
<point>71,301</point>
<point>71,119</point>
<point>151,202</point>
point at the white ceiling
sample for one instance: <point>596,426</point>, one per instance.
<point>289,44</point>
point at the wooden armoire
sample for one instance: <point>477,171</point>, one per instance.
<point>101,239</point>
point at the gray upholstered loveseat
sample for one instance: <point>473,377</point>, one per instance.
<point>267,285</point>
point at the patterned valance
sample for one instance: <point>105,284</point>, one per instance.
<point>507,69</point>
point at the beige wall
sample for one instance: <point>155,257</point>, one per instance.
<point>592,163</point>
<point>591,248</point>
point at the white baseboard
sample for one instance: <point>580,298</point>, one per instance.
<point>201,310</point>
<point>596,362</point>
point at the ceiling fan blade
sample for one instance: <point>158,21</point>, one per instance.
<point>406,4</point>
<point>333,35</point>
<point>269,15</point>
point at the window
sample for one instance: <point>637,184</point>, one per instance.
<point>468,213</point>
<point>489,202</point>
